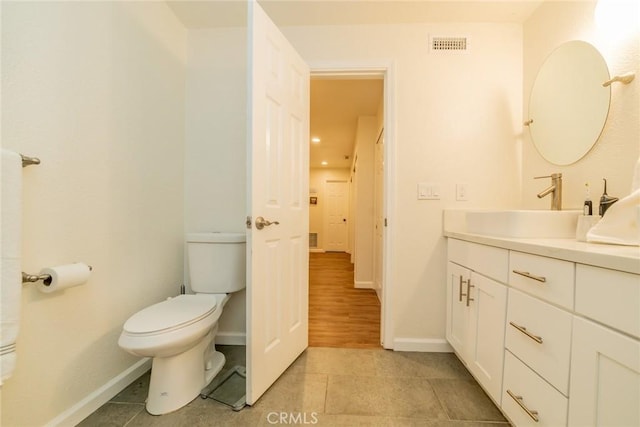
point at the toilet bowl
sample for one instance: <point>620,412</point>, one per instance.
<point>171,327</point>
<point>179,333</point>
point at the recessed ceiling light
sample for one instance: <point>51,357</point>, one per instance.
<point>324,163</point>
<point>315,140</point>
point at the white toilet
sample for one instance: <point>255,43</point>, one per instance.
<point>179,333</point>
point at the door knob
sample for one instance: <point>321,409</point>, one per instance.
<point>262,223</point>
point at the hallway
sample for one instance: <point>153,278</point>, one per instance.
<point>339,314</point>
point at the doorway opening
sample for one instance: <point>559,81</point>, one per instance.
<point>346,181</point>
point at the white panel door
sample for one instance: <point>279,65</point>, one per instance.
<point>278,156</point>
<point>337,207</point>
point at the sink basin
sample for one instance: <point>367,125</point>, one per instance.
<point>523,223</point>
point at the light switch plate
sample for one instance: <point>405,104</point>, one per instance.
<point>428,191</point>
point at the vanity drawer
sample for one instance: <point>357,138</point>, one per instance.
<point>541,400</point>
<point>609,296</point>
<point>487,260</point>
<point>540,335</point>
<point>547,278</point>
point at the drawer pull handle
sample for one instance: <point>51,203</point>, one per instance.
<point>460,292</point>
<point>530,276</point>
<point>527,333</point>
<point>469,286</point>
<point>518,399</point>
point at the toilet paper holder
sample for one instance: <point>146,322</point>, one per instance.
<point>46,278</point>
<point>32,278</point>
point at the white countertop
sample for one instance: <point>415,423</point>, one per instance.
<point>615,257</point>
<point>623,258</point>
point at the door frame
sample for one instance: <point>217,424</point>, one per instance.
<point>386,70</point>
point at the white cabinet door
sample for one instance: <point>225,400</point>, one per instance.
<point>457,310</point>
<point>476,312</point>
<point>605,377</point>
<point>488,307</point>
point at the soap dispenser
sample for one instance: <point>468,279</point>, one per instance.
<point>605,200</point>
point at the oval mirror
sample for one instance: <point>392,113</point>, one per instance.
<point>569,105</point>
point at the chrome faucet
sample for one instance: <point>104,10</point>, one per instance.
<point>555,189</point>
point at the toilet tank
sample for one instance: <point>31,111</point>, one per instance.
<point>216,262</point>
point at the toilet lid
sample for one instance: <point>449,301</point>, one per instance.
<point>173,313</point>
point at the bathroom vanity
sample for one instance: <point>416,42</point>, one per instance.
<point>550,327</point>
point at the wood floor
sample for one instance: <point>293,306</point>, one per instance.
<point>339,314</point>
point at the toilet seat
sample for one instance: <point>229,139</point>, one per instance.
<point>170,315</point>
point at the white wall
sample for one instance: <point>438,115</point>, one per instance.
<point>215,147</point>
<point>216,114</point>
<point>616,152</point>
<point>317,179</point>
<point>96,91</point>
<point>458,119</point>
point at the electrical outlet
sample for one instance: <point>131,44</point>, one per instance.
<point>462,192</point>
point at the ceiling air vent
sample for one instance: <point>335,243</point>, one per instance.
<point>449,44</point>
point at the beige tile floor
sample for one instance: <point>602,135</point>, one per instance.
<point>332,387</point>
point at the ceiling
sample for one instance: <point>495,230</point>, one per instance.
<point>336,104</point>
<point>218,13</point>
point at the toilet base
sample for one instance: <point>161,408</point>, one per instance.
<point>176,381</point>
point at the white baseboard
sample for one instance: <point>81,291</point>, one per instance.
<point>231,338</point>
<point>316,250</point>
<point>424,345</point>
<point>95,400</point>
<point>363,285</point>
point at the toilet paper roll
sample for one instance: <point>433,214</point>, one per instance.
<point>63,277</point>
